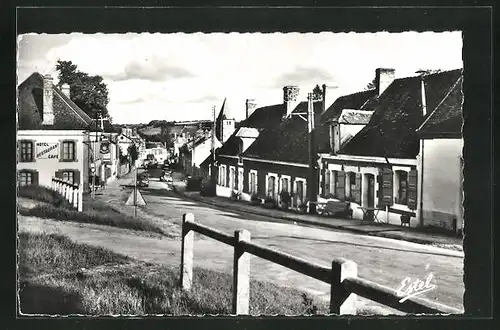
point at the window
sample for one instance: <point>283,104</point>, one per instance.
<point>352,184</point>
<point>284,184</point>
<point>26,151</point>
<point>300,192</point>
<point>68,152</point>
<point>327,182</point>
<point>222,176</point>
<point>402,187</point>
<point>25,178</point>
<point>271,186</point>
<point>232,178</point>
<point>68,176</point>
<point>253,182</point>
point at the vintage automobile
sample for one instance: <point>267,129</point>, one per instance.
<point>142,180</point>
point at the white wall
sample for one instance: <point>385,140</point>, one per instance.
<point>47,167</point>
<point>349,130</point>
<point>202,151</point>
<point>442,186</point>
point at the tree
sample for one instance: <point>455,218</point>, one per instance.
<point>424,72</point>
<point>372,84</point>
<point>317,93</point>
<point>90,93</point>
<point>132,151</point>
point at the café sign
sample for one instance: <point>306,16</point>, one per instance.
<point>47,150</point>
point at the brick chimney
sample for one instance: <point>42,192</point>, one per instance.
<point>383,78</point>
<point>66,90</point>
<point>48,93</point>
<point>250,106</point>
<point>290,96</point>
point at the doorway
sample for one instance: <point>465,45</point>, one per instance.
<point>370,196</point>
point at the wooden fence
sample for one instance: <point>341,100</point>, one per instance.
<point>72,192</point>
<point>342,277</point>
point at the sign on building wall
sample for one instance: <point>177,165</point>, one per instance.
<point>47,150</point>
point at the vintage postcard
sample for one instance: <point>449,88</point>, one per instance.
<point>240,173</point>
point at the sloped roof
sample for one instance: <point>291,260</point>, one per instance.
<point>355,117</point>
<point>359,100</point>
<point>289,142</point>
<point>67,115</point>
<point>391,131</point>
<point>446,120</point>
<point>261,118</point>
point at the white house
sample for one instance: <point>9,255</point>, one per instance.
<point>380,166</point>
<point>52,134</point>
<point>441,163</point>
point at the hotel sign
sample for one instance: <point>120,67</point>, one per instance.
<point>47,150</point>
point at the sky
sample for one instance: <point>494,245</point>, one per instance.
<point>181,76</point>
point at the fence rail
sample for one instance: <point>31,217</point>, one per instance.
<point>70,191</point>
<point>342,277</point>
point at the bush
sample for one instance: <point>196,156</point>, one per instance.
<point>270,203</point>
<point>193,184</point>
<point>208,187</point>
<point>255,200</point>
<point>235,195</point>
<point>44,194</point>
<point>303,207</point>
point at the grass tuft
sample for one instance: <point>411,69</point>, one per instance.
<point>112,284</point>
<point>44,194</point>
<point>93,214</point>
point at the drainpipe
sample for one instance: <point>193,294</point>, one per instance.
<point>421,197</point>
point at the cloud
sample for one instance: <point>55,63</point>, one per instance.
<point>304,75</point>
<point>152,69</point>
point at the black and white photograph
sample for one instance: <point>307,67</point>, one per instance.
<point>240,173</point>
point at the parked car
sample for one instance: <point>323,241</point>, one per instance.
<point>142,180</point>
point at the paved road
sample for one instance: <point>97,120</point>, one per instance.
<point>382,260</point>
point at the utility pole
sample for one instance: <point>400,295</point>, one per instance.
<point>135,189</point>
<point>94,152</point>
<point>312,175</point>
<point>312,186</point>
<point>212,163</point>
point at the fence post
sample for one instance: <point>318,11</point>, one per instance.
<point>187,252</point>
<point>70,194</point>
<point>241,274</point>
<point>342,302</point>
<point>75,197</point>
<point>80,197</point>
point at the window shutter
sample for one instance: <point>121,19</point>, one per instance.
<point>35,178</point>
<point>385,198</point>
<point>323,180</point>
<point>76,177</point>
<point>340,185</point>
<point>412,189</point>
<point>357,189</point>
<point>61,148</point>
<point>75,145</point>
<point>59,174</point>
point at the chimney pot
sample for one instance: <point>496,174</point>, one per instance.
<point>48,93</point>
<point>383,78</point>
<point>250,106</point>
<point>66,90</point>
<point>290,96</point>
